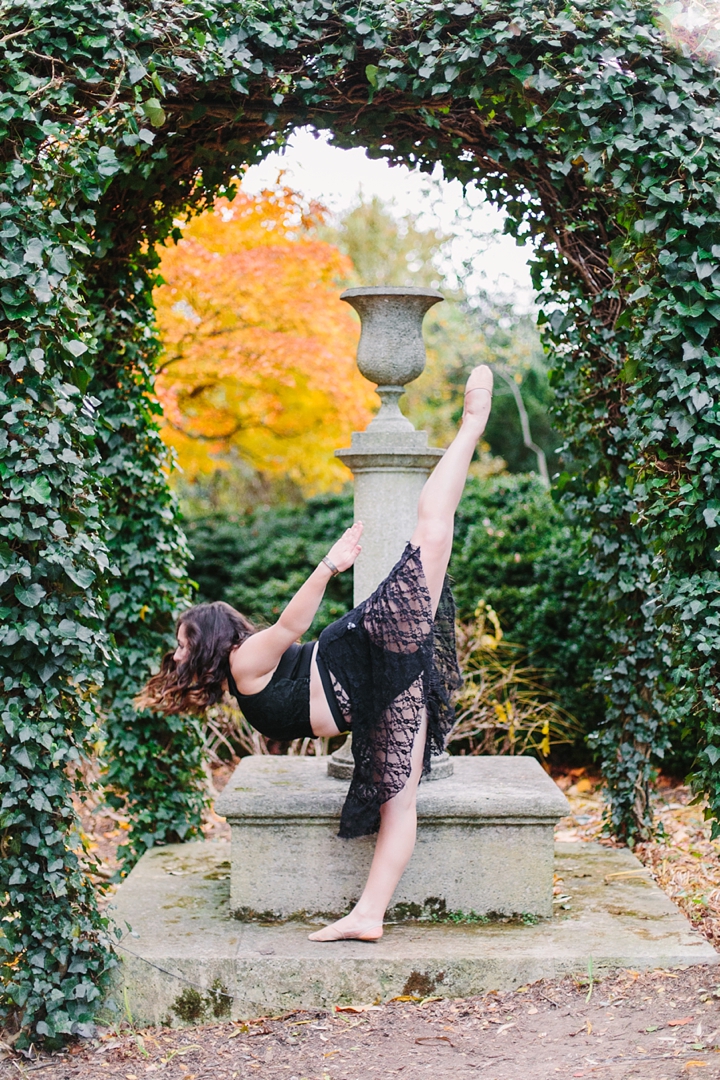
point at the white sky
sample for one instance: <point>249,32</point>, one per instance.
<point>336,177</point>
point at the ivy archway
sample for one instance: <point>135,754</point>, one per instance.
<point>598,136</point>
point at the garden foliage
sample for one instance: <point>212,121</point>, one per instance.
<point>513,549</point>
<point>597,134</point>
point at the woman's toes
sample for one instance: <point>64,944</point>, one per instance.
<point>480,378</point>
<point>478,393</point>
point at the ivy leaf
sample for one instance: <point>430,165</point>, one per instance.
<point>59,261</point>
<point>136,72</point>
<point>154,112</point>
<point>107,162</point>
<point>82,575</point>
<point>30,596</point>
<point>77,348</point>
<point>371,74</point>
<point>38,490</point>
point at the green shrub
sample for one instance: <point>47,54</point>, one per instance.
<point>513,549</point>
<point>257,562</point>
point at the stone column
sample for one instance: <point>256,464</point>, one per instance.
<point>390,460</point>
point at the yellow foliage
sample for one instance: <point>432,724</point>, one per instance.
<point>259,351</point>
<point>503,707</point>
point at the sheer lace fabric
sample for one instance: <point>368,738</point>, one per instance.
<point>389,662</point>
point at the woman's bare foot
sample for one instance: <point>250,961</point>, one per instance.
<point>348,929</point>
<point>478,396</point>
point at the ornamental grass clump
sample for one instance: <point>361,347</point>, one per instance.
<point>503,707</point>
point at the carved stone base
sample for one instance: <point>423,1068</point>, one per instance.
<point>485,840</point>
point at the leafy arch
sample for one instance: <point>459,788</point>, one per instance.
<point>598,137</point>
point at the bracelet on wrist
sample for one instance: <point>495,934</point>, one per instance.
<point>330,565</point>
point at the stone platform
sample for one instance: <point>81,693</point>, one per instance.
<point>485,840</point>
<point>183,938</point>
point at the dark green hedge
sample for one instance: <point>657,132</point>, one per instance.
<point>513,548</point>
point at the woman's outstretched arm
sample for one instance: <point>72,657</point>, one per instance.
<point>259,655</point>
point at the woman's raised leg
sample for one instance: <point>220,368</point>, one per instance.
<point>441,494</point>
<point>433,535</point>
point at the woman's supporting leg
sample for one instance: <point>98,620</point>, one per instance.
<point>441,493</point>
<point>394,846</point>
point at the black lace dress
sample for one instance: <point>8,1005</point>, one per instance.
<point>388,659</point>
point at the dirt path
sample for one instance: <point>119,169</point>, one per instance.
<point>658,1025</point>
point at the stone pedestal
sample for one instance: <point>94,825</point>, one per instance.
<point>485,841</point>
<point>390,469</point>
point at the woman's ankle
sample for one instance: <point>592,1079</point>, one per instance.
<point>474,425</point>
<point>367,916</point>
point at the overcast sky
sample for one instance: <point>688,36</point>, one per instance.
<point>336,178</point>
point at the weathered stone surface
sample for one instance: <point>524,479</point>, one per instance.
<point>176,902</point>
<point>391,349</point>
<point>485,840</point>
<point>390,471</point>
<point>390,461</point>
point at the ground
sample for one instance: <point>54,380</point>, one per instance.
<point>657,1025</point>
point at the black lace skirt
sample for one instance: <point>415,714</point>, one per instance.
<point>389,660</point>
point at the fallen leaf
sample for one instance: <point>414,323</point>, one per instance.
<point>505,1027</point>
<point>330,1053</point>
<point>431,1040</point>
<point>532,1010</point>
<point>695,1065</point>
<point>357,1008</point>
<point>589,1027</point>
<point>406,997</point>
<point>681,1022</point>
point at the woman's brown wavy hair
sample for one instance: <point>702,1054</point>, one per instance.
<point>212,630</point>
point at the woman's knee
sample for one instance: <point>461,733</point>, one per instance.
<point>434,537</point>
<point>402,803</point>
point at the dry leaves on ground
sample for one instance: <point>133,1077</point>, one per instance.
<point>683,859</point>
<point>659,1025</point>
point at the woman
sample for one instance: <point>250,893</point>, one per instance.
<point>384,671</point>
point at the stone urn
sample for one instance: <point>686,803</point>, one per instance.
<point>391,351</point>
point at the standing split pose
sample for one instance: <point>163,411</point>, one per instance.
<point>385,671</point>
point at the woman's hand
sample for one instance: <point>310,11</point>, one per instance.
<point>345,551</point>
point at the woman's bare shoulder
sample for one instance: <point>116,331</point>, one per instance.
<point>253,663</point>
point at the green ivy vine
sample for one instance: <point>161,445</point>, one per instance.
<point>599,138</point>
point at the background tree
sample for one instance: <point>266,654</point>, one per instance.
<point>258,364</point>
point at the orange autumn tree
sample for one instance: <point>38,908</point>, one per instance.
<point>259,351</point>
